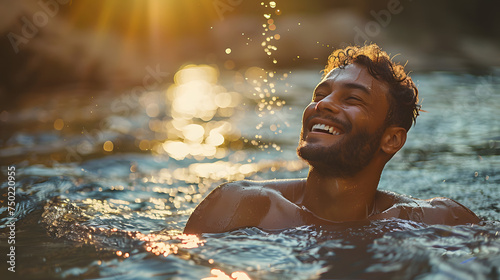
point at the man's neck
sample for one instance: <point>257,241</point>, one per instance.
<point>339,198</point>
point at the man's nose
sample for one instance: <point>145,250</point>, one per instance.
<point>329,103</point>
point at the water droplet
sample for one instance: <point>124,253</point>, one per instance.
<point>58,124</point>
<point>108,146</point>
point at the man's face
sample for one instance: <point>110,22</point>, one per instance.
<point>343,125</point>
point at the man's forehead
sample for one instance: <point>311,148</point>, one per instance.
<point>354,73</point>
<point>351,71</point>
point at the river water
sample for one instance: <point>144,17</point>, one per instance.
<point>106,181</point>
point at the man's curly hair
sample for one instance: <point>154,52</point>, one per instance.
<point>403,100</point>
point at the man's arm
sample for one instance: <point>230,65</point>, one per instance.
<point>228,207</point>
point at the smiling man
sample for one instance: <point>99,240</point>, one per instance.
<point>358,119</point>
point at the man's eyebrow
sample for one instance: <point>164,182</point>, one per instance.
<point>361,87</point>
<point>349,85</point>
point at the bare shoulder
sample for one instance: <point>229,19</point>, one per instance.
<point>438,210</point>
<point>230,206</point>
<point>215,212</point>
<point>451,212</point>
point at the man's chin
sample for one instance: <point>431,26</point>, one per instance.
<point>310,152</point>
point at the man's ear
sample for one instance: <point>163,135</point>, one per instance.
<point>393,139</point>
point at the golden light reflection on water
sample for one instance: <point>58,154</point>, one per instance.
<point>199,107</point>
<point>161,245</point>
<point>156,243</point>
<point>164,244</point>
<point>168,244</point>
<point>218,274</point>
<point>196,173</point>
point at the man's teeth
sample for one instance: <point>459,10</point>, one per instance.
<point>325,128</point>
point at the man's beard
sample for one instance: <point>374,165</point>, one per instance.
<point>344,158</point>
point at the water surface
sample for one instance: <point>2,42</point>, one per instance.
<point>105,182</point>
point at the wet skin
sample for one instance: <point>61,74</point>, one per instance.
<point>346,142</point>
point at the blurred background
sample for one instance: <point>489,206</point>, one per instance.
<point>107,44</point>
